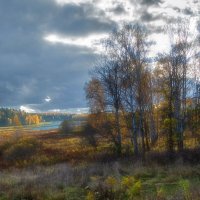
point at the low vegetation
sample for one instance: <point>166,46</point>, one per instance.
<point>115,180</point>
<point>42,165</point>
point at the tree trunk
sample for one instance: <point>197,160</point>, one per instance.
<point>119,139</point>
<point>141,130</point>
<point>135,136</point>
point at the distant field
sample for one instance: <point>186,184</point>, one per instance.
<point>12,131</point>
<point>52,146</point>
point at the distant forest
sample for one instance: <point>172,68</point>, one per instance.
<point>14,117</point>
<point>49,117</point>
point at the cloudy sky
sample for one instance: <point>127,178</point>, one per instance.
<point>47,47</point>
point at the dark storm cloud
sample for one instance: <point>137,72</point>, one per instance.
<point>177,9</point>
<point>148,17</point>
<point>47,16</point>
<point>118,10</point>
<point>151,2</point>
<point>57,73</point>
<point>80,20</point>
<point>30,68</point>
<point>147,2</point>
<point>188,11</point>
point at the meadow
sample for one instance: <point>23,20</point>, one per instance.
<point>52,165</point>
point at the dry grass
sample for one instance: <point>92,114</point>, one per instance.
<point>53,147</point>
<point>64,167</point>
<point>116,180</point>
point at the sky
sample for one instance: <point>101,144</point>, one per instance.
<point>48,47</point>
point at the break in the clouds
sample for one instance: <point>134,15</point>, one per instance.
<point>47,47</point>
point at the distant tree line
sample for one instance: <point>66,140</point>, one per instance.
<point>132,95</point>
<point>13,117</point>
<point>49,117</point>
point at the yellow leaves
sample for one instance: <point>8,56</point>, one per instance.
<point>90,196</point>
<point>132,186</point>
<point>111,181</point>
<point>16,121</point>
<point>135,189</point>
<point>32,119</point>
<point>127,181</point>
<point>114,188</point>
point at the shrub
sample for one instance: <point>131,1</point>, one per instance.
<point>90,196</point>
<point>89,134</point>
<point>102,192</point>
<point>5,146</point>
<point>135,190</point>
<point>127,181</point>
<point>185,187</point>
<point>65,127</point>
<point>160,192</point>
<point>20,149</point>
<point>111,182</point>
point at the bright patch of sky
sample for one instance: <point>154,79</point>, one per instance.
<point>27,109</point>
<point>71,110</point>
<point>91,41</point>
<point>47,99</point>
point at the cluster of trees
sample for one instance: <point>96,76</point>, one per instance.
<point>54,116</point>
<point>134,94</point>
<point>12,117</point>
<point>33,119</point>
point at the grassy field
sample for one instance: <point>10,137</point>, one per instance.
<point>48,165</point>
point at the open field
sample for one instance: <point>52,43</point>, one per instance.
<point>49,165</point>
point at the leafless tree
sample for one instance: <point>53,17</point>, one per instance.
<point>126,81</point>
<point>175,65</point>
<point>108,73</point>
<point>136,92</point>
